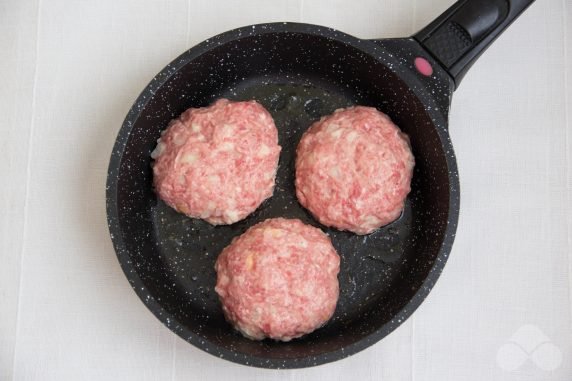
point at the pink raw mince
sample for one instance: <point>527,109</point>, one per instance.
<point>278,280</point>
<point>354,169</point>
<point>219,162</point>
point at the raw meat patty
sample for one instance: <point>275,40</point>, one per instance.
<point>219,162</point>
<point>354,169</point>
<point>278,280</point>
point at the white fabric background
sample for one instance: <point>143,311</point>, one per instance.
<point>70,70</point>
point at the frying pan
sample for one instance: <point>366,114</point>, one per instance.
<point>300,72</point>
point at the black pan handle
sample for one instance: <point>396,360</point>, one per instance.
<point>464,31</point>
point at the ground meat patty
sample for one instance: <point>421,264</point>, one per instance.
<point>278,280</point>
<point>219,162</point>
<point>353,170</point>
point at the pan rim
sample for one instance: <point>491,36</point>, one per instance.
<point>370,48</point>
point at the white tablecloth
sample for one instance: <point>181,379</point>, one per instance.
<point>70,70</point>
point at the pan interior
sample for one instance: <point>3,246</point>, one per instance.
<point>298,78</point>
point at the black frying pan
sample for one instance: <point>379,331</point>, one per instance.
<point>300,72</point>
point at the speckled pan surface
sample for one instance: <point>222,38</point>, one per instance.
<point>298,72</point>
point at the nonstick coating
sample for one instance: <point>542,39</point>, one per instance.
<point>299,73</point>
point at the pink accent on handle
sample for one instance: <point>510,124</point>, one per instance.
<point>423,66</point>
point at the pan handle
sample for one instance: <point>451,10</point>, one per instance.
<point>464,31</point>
